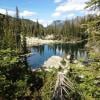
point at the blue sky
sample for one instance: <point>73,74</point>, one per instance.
<point>45,10</point>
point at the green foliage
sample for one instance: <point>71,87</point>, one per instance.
<point>86,79</point>
<point>14,71</point>
<point>93,55</point>
<point>63,62</point>
<point>12,28</point>
<point>48,88</point>
<point>93,30</point>
<point>8,57</point>
<point>12,75</point>
<point>69,30</point>
<point>93,4</point>
<point>93,23</point>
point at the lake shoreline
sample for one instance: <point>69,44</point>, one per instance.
<point>57,62</point>
<point>34,41</point>
<point>54,52</point>
<point>54,62</point>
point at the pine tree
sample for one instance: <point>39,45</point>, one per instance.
<point>37,29</point>
<point>17,30</point>
<point>6,31</point>
<point>93,4</point>
<point>1,30</point>
<point>93,23</point>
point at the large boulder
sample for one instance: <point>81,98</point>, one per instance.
<point>55,62</point>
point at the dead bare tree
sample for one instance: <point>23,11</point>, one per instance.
<point>63,87</point>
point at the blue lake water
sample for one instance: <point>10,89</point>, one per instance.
<point>44,52</point>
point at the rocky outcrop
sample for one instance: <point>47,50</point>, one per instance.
<point>55,62</point>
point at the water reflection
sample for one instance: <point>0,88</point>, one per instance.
<point>43,52</point>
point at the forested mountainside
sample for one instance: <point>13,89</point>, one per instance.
<point>74,29</point>
<point>31,27</point>
<point>68,30</point>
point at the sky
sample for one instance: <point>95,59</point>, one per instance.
<point>44,10</point>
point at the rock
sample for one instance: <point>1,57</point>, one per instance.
<point>97,78</point>
<point>80,78</point>
<point>33,41</point>
<point>68,57</point>
<point>75,61</point>
<point>55,62</point>
<point>48,69</point>
<point>97,83</point>
<point>79,64</point>
<point>49,37</point>
<point>65,71</point>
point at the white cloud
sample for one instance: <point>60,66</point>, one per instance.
<point>71,15</point>
<point>10,12</point>
<point>57,1</point>
<point>43,22</point>
<point>27,13</point>
<point>2,11</point>
<point>69,6</point>
<point>56,14</point>
<point>24,13</point>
